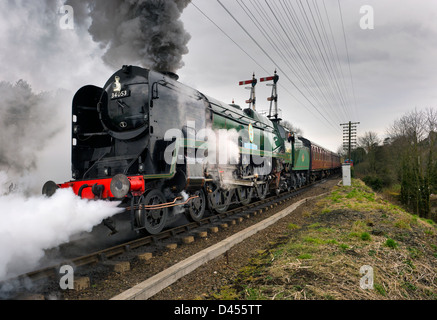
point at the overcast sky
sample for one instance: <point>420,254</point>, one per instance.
<point>393,66</point>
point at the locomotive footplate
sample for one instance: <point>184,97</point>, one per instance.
<point>244,183</point>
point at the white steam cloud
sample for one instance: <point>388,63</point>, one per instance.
<point>28,121</point>
<point>35,114</point>
<point>29,225</point>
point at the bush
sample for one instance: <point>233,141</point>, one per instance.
<point>375,182</point>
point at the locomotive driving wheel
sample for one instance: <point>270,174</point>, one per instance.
<point>153,220</point>
<point>244,195</point>
<point>196,207</point>
<point>292,182</point>
<point>219,199</point>
<point>262,190</point>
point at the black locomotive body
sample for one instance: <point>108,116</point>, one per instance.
<point>157,146</point>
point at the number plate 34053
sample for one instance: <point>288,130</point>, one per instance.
<point>121,94</point>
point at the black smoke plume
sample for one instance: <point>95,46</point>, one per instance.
<point>144,32</point>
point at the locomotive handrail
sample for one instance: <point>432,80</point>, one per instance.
<point>94,134</point>
<point>92,166</point>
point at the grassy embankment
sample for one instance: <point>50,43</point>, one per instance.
<point>320,255</point>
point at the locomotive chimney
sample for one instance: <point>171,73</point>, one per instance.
<point>170,74</point>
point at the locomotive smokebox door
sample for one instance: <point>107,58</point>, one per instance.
<point>125,104</point>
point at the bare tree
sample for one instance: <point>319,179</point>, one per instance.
<point>369,141</point>
<point>431,120</point>
<point>413,135</point>
<point>340,151</point>
<point>410,126</point>
<point>287,124</point>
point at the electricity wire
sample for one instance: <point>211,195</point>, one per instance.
<point>274,62</point>
<point>301,44</point>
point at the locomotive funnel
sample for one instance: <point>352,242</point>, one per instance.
<point>170,74</point>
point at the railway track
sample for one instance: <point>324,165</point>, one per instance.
<point>53,272</point>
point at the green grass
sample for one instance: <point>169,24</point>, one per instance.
<point>391,243</point>
<point>320,246</point>
<point>380,289</point>
<point>365,236</point>
<point>254,294</point>
<point>292,226</point>
<point>305,256</point>
<point>343,246</point>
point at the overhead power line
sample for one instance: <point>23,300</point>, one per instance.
<point>245,51</point>
<point>298,38</point>
<point>273,61</point>
<point>347,53</point>
<point>229,37</point>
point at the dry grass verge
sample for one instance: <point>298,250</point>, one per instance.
<point>321,257</point>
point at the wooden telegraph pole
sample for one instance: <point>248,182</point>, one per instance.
<point>349,137</point>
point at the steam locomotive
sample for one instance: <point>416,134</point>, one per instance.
<point>163,149</point>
